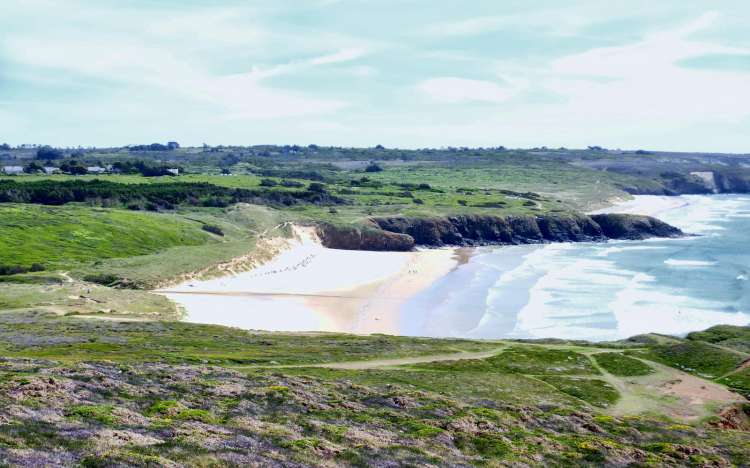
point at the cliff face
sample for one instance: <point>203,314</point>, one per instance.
<point>697,183</point>
<point>403,233</point>
<point>634,227</point>
<point>363,238</point>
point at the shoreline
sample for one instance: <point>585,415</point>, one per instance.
<point>307,287</point>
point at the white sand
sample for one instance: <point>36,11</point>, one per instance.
<point>309,287</point>
<point>650,205</point>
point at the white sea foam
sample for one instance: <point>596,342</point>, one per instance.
<point>688,263</point>
<point>605,251</point>
<point>703,215</point>
<point>583,291</point>
<point>640,308</point>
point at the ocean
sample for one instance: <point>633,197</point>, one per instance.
<point>600,291</point>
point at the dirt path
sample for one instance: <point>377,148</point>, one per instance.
<point>361,365</point>
<point>667,391</point>
<point>386,363</point>
<point>670,392</point>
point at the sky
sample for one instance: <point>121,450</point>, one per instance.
<point>658,75</point>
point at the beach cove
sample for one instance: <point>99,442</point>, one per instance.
<point>595,291</point>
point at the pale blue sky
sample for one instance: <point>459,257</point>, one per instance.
<point>671,74</point>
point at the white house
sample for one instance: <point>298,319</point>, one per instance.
<point>96,170</point>
<point>174,171</point>
<point>13,169</point>
<point>51,170</point>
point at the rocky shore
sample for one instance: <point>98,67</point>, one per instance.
<point>404,233</point>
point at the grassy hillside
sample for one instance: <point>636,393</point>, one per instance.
<point>102,393</point>
<point>59,237</point>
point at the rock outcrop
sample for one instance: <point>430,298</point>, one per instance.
<point>362,238</point>
<point>404,233</point>
<point>633,227</point>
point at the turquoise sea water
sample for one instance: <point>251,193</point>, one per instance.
<point>601,291</point>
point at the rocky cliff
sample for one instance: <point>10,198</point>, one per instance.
<point>701,182</point>
<point>362,238</point>
<point>404,233</point>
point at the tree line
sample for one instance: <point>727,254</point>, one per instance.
<point>155,196</point>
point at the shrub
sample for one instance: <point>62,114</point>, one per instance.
<point>213,229</point>
<point>100,413</point>
<point>373,167</point>
<point>154,196</point>
<point>6,270</point>
<point>268,183</point>
<point>49,153</point>
<point>316,187</point>
<point>33,168</point>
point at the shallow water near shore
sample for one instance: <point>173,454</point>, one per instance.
<point>601,291</point>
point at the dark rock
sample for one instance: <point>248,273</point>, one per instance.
<point>362,238</point>
<point>634,227</point>
<point>473,230</point>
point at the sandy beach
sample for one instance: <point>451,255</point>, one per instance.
<point>308,287</point>
<point>312,288</point>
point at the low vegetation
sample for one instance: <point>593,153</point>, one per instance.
<point>97,371</point>
<point>621,365</point>
<point>76,391</point>
<point>695,357</point>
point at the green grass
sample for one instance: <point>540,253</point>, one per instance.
<point>466,386</point>
<point>241,226</point>
<point>593,391</point>
<point>179,342</point>
<point>99,413</point>
<point>739,381</point>
<point>138,249</point>
<point>694,357</point>
<point>531,360</point>
<point>59,237</point>
<point>66,298</point>
<point>474,412</point>
<point>621,365</point>
<point>725,335</point>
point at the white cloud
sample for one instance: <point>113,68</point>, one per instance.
<point>554,21</point>
<point>147,58</point>
<point>644,82</point>
<point>460,90</point>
